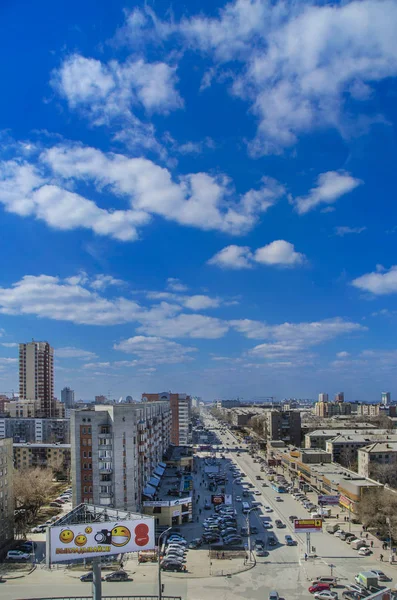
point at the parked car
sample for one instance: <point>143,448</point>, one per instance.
<point>87,576</point>
<point>273,595</point>
<point>172,566</point>
<point>261,552</point>
<point>267,525</point>
<point>238,498</point>
<point>55,504</point>
<point>319,587</point>
<point>292,518</point>
<point>326,595</point>
<point>39,528</point>
<point>380,575</point>
<point>279,524</point>
<point>27,544</point>
<point>195,543</point>
<point>116,576</point>
<point>358,589</point>
<point>17,555</point>
<point>331,581</point>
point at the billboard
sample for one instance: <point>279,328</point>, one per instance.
<point>308,525</point>
<point>384,594</point>
<point>346,502</point>
<point>217,498</point>
<point>328,499</point>
<point>90,540</point>
<point>168,502</point>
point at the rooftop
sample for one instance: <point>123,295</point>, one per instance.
<point>363,437</point>
<point>334,432</point>
<point>390,446</point>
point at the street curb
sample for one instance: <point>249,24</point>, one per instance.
<point>8,578</point>
<point>182,575</point>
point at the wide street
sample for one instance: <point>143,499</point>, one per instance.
<point>284,569</point>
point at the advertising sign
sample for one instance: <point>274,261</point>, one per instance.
<point>217,499</point>
<point>168,502</point>
<point>328,499</point>
<point>346,502</point>
<point>384,594</point>
<point>90,540</point>
<point>308,525</point>
<point>228,499</point>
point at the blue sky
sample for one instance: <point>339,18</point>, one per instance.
<point>201,198</point>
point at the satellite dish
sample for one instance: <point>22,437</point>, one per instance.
<point>120,399</point>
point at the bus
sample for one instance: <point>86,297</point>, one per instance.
<point>278,488</point>
<point>246,507</point>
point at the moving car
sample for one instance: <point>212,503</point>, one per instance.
<point>238,498</point>
<point>290,541</point>
<point>17,555</point>
<point>319,587</point>
<point>363,551</point>
<point>272,541</point>
<point>172,566</point>
<point>279,524</point>
<point>87,576</point>
<point>116,576</point>
<point>331,581</point>
<point>279,499</point>
<point>292,518</point>
<point>261,552</point>
<point>268,509</point>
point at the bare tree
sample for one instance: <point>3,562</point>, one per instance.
<point>348,458</point>
<point>385,473</point>
<point>32,487</point>
<point>376,507</point>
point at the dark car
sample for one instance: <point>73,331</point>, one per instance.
<point>292,518</point>
<point>116,576</point>
<point>279,524</point>
<point>253,529</point>
<point>172,566</point>
<point>87,576</point>
<point>210,539</point>
<point>272,541</point>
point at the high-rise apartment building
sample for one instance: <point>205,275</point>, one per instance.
<point>100,399</point>
<point>284,425</point>
<point>36,376</point>
<point>181,408</point>
<point>340,397</point>
<point>386,397</point>
<point>115,451</point>
<point>6,493</point>
<point>323,397</point>
<point>67,397</point>
<point>36,431</point>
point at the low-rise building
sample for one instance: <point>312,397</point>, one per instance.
<point>344,447</point>
<point>376,454</point>
<point>227,403</point>
<point>53,456</point>
<point>330,409</point>
<point>6,494</point>
<point>319,437</point>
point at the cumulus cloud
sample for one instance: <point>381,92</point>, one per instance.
<point>342,354</point>
<point>330,187</point>
<point>278,253</point>
<point>155,350</point>
<point>379,283</point>
<point>293,338</point>
<point>175,285</point>
<point>295,64</point>
<point>41,189</point>
<point>185,325</point>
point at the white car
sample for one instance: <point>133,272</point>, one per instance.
<point>268,509</point>
<point>257,493</point>
<point>364,551</point>
<point>267,525</point>
<point>337,533</point>
<point>238,498</point>
<point>278,499</point>
<point>17,555</point>
<point>326,595</point>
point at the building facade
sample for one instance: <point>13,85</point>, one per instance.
<point>67,397</point>
<point>6,493</point>
<point>36,431</point>
<point>386,398</point>
<point>340,397</point>
<point>115,451</point>
<point>372,458</point>
<point>36,376</point>
<point>344,448</point>
<point>331,409</point>
<point>284,425</point>
<point>181,408</point>
<point>323,397</point>
<point>53,456</point>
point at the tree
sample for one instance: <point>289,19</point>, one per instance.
<point>348,458</point>
<point>385,473</point>
<point>377,505</point>
<point>32,487</point>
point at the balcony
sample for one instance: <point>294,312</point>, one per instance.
<point>105,436</point>
<point>105,470</point>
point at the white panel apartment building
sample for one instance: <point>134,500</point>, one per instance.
<point>115,451</point>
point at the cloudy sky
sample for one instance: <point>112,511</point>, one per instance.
<point>201,199</point>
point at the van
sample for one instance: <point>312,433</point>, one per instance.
<point>357,544</point>
<point>315,515</point>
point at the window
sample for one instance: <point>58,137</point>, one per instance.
<point>84,454</point>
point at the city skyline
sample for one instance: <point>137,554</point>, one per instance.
<point>192,203</point>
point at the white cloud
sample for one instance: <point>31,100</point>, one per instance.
<point>200,302</point>
<point>9,344</point>
<point>293,338</point>
<point>109,94</point>
<point>278,253</point>
<point>330,187</point>
<point>97,365</point>
<point>196,199</point>
<point>232,257</point>
<point>193,326</point>
<point>295,63</point>
<point>342,354</point>
<point>341,230</point>
<point>58,299</point>
<point>174,284</point>
<point>8,361</point>
<point>379,283</point>
<point>71,352</point>
<point>155,350</point>
<point>102,281</point>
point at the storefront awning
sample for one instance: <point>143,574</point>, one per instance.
<point>163,465</point>
<point>159,471</point>
<point>149,490</point>
<point>154,481</point>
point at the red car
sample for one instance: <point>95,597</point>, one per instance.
<point>319,587</point>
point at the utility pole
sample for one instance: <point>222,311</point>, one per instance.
<point>96,579</point>
<point>160,594</point>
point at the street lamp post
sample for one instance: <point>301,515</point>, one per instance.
<point>233,482</point>
<point>388,521</point>
<point>160,595</point>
